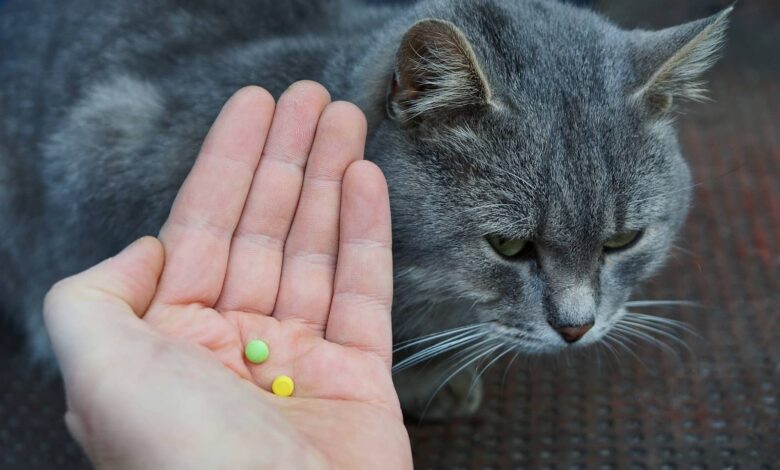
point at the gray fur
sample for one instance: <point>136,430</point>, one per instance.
<point>528,119</point>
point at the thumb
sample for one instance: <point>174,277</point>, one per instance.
<point>91,319</point>
<point>100,304</point>
<point>130,277</point>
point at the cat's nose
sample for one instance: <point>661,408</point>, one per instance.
<point>571,333</point>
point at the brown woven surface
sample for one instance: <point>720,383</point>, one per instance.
<point>717,406</point>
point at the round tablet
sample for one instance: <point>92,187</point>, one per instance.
<point>256,351</point>
<point>283,386</point>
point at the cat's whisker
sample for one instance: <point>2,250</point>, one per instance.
<point>467,353</point>
<point>658,320</point>
<point>683,250</point>
<point>432,351</point>
<point>450,339</point>
<point>631,331</point>
<point>479,354</point>
<point>661,303</point>
<point>469,349</point>
<point>605,342</point>
<point>663,321</point>
<point>672,329</point>
<point>485,369</point>
<point>433,336</point>
<point>599,350</point>
<point>619,340</point>
<point>659,331</point>
<point>438,348</point>
<point>508,367</point>
<point>485,343</point>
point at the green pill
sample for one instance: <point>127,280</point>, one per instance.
<point>256,351</point>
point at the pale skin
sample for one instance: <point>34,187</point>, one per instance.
<point>281,232</point>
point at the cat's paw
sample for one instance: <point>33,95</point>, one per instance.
<point>425,397</point>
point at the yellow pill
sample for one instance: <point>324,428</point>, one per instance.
<point>283,386</point>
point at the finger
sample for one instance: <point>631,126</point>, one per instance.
<point>208,206</point>
<point>254,270</point>
<point>82,312</point>
<point>363,291</point>
<point>130,278</point>
<point>310,253</point>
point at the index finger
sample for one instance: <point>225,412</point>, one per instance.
<point>207,208</point>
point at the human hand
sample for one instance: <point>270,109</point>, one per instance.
<point>295,251</point>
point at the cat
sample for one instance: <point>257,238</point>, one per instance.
<point>529,146</point>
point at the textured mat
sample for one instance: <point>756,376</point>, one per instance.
<point>715,406</point>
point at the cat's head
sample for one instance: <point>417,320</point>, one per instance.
<point>534,169</point>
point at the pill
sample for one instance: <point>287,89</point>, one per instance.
<point>283,386</point>
<point>256,351</point>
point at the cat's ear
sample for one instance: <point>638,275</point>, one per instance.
<point>436,73</point>
<point>670,62</point>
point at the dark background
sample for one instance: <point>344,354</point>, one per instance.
<point>716,406</point>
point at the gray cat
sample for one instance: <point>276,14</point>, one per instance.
<point>529,146</point>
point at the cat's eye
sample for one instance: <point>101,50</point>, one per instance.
<point>509,247</point>
<point>622,240</point>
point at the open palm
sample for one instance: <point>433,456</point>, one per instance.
<point>282,233</point>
